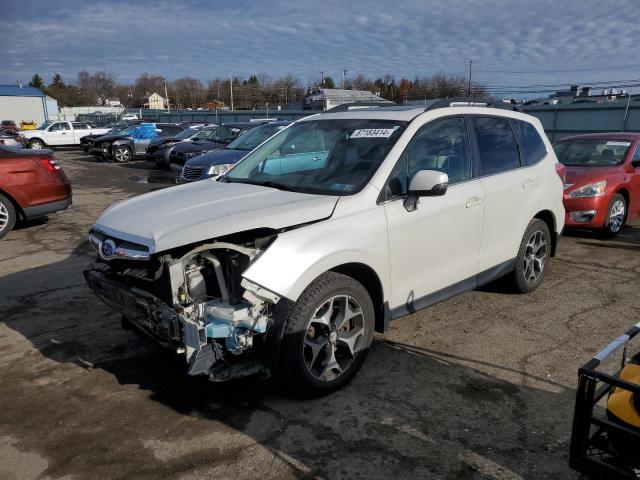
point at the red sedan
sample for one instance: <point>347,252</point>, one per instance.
<point>32,184</point>
<point>602,187</point>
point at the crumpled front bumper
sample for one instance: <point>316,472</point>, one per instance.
<point>144,310</point>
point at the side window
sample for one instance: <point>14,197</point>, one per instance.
<point>440,145</point>
<point>496,145</point>
<point>57,127</point>
<point>80,126</point>
<point>533,146</point>
<point>636,156</point>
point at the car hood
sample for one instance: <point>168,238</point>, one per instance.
<point>197,146</point>
<point>579,175</point>
<point>200,211</point>
<point>159,141</point>
<point>218,158</point>
<point>110,138</point>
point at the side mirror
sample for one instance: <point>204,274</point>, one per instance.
<point>425,183</point>
<point>635,163</point>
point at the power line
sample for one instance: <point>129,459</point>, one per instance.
<point>564,70</point>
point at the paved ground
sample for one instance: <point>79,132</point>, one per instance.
<point>480,386</point>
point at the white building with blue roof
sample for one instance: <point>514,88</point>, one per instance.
<point>26,104</point>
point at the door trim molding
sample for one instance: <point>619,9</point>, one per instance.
<point>452,290</point>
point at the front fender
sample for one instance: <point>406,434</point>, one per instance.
<point>123,141</point>
<point>299,256</point>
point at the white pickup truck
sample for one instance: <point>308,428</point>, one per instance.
<point>58,133</point>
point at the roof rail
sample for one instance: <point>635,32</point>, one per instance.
<point>348,107</point>
<point>469,102</point>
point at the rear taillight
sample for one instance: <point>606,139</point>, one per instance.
<point>561,170</point>
<point>51,165</point>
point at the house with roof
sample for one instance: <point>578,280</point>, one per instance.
<point>155,101</point>
<point>326,98</point>
<point>26,104</point>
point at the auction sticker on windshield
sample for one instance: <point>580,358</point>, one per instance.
<point>373,132</point>
<point>620,144</point>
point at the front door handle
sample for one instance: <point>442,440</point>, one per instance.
<point>528,183</point>
<point>474,202</point>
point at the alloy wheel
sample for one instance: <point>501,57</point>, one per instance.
<point>535,256</point>
<point>333,338</point>
<point>35,145</point>
<point>4,217</point>
<point>122,154</point>
<point>616,216</point>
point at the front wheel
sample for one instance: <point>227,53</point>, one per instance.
<point>36,144</point>
<point>533,255</point>
<point>616,216</point>
<point>122,154</point>
<point>7,215</point>
<point>328,335</point>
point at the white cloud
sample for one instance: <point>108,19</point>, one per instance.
<point>415,37</point>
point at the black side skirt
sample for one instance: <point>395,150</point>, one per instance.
<point>452,290</point>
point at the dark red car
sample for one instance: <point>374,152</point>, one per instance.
<point>32,184</point>
<point>602,187</point>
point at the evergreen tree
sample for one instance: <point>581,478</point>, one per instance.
<point>36,81</point>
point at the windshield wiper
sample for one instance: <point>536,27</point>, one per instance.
<point>266,183</point>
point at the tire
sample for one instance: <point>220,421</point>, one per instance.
<point>314,338</point>
<point>7,215</point>
<point>121,154</point>
<point>36,144</point>
<point>533,257</point>
<point>616,216</point>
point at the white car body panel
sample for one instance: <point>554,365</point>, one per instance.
<point>200,211</point>
<point>436,245</point>
<point>299,256</point>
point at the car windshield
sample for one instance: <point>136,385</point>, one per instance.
<point>204,133</point>
<point>592,152</point>
<point>327,157</point>
<point>44,126</point>
<point>254,137</point>
<point>186,133</point>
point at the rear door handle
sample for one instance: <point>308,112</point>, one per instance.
<point>473,202</point>
<point>528,183</point>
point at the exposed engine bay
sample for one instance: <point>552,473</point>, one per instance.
<point>193,299</point>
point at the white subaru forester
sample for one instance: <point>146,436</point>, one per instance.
<point>326,232</point>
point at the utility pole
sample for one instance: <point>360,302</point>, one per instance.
<point>469,85</point>
<point>166,95</point>
<point>231,90</point>
<point>344,72</point>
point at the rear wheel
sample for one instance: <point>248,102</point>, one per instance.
<point>616,216</point>
<point>328,335</point>
<point>121,154</point>
<point>36,144</point>
<point>7,215</point>
<point>533,255</point>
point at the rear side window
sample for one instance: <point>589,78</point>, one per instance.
<point>496,145</point>
<point>80,126</point>
<point>533,146</point>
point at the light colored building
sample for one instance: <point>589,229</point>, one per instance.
<point>155,102</point>
<point>26,104</point>
<point>326,98</point>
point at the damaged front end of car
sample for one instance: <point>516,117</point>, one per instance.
<point>194,300</point>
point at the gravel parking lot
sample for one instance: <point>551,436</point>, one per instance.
<point>480,386</point>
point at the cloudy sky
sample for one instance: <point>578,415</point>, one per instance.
<point>511,42</point>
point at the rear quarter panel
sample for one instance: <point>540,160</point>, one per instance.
<point>28,183</point>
